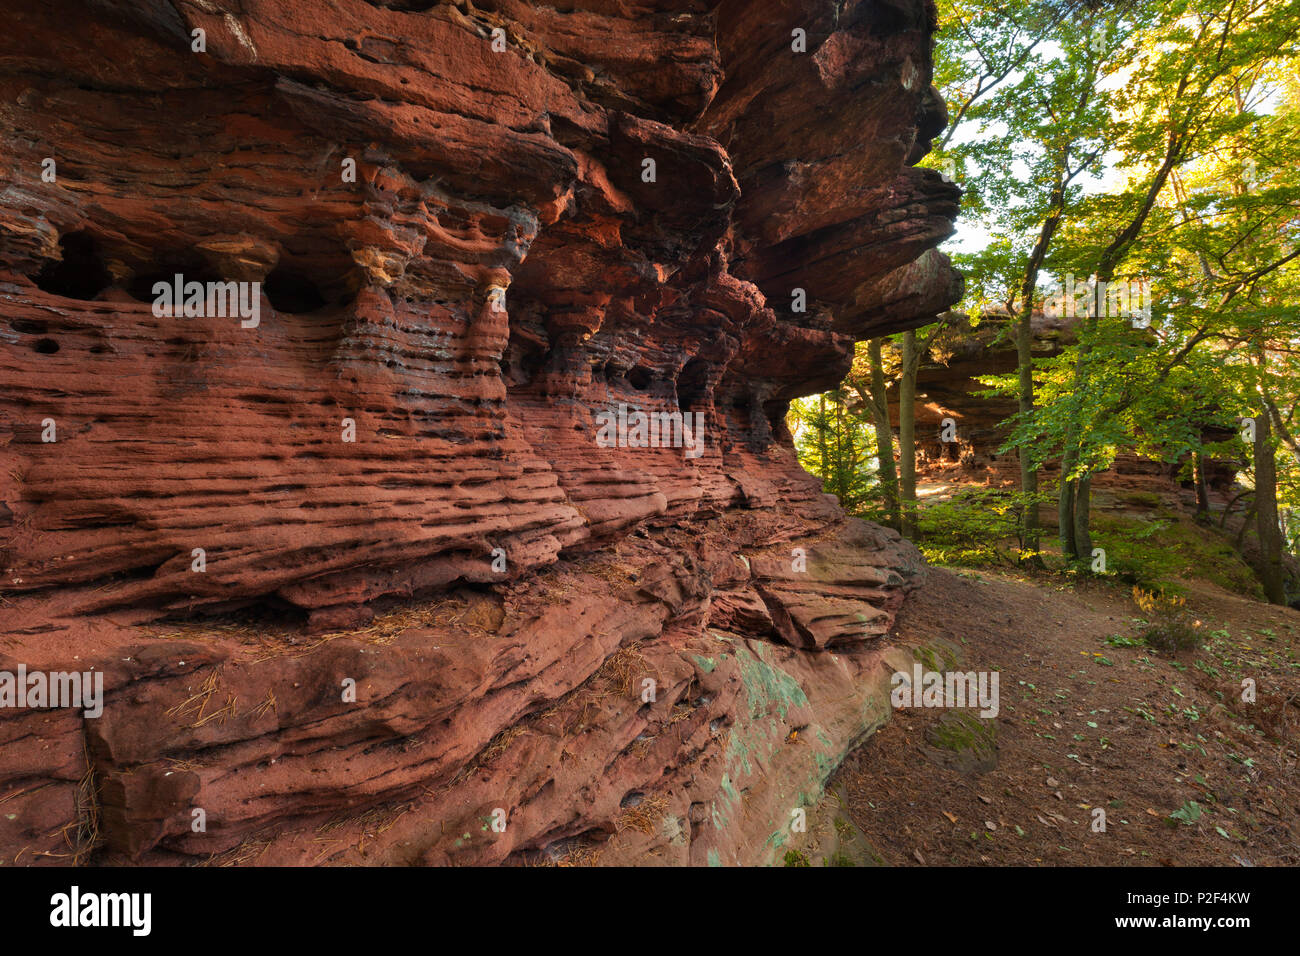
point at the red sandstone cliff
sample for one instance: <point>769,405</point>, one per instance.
<point>490,584</point>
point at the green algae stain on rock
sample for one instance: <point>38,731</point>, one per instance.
<point>737,754</point>
<point>721,808</point>
<point>771,701</point>
<point>826,763</point>
<point>875,711</point>
<point>767,688</point>
<point>729,789</point>
<point>768,685</point>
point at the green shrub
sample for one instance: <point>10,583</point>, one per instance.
<point>977,526</point>
<point>1170,627</point>
<point>1156,554</point>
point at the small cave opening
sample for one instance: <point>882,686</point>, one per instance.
<point>692,384</point>
<point>46,346</point>
<point>885,19</point>
<point>80,274</point>
<point>191,268</point>
<point>523,360</point>
<point>640,378</point>
<point>776,410</point>
<point>270,613</point>
<point>291,291</point>
<point>403,6</point>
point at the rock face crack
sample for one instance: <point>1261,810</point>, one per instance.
<point>486,502</point>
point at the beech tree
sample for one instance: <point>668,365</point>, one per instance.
<point>1076,170</point>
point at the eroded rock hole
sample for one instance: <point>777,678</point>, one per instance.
<point>775,412</point>
<point>80,274</point>
<point>292,292</point>
<point>693,385</point>
<point>403,6</point>
<point>640,378</point>
<point>272,615</point>
<point>191,268</point>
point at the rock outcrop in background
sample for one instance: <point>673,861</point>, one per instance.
<point>363,582</point>
<point>951,384</point>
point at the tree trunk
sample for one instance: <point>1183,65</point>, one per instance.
<point>1073,445</point>
<point>841,477</point>
<point>1065,509</point>
<point>1266,526</point>
<point>884,436</point>
<point>907,433</point>
<point>1030,522</point>
<point>1202,489</point>
<point>1245,523</point>
<point>1082,508</point>
<point>822,426</point>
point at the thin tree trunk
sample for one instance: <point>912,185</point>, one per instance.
<point>884,436</point>
<point>1245,523</point>
<point>1030,521</point>
<point>907,433</point>
<point>821,439</point>
<point>1065,509</point>
<point>1227,509</point>
<point>1202,489</point>
<point>1082,508</point>
<point>841,479</point>
<point>1266,527</point>
<point>1065,518</point>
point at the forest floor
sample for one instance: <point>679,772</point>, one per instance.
<point>1186,771</point>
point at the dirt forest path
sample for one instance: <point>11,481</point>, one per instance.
<point>1186,772</point>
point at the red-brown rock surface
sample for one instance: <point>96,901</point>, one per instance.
<point>491,583</point>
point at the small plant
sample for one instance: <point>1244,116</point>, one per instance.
<point>795,858</point>
<point>1187,814</point>
<point>1170,627</point>
<point>1119,640</point>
